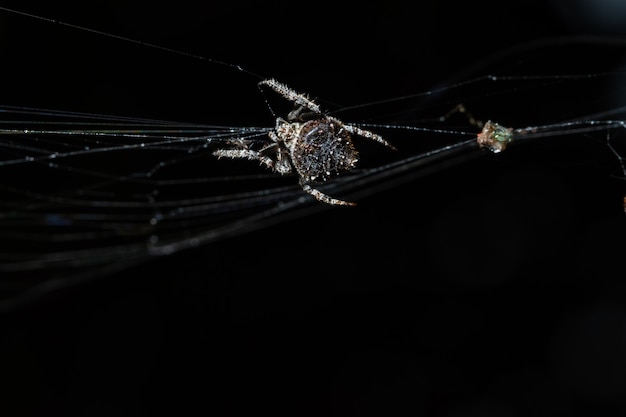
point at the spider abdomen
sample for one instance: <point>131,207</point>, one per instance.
<point>322,150</point>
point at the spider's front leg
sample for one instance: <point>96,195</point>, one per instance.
<point>298,99</point>
<point>324,198</point>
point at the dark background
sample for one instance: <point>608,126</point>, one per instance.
<point>485,289</point>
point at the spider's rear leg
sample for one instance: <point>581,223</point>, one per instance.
<point>324,198</point>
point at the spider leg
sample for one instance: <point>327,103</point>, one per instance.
<point>245,154</point>
<point>291,95</point>
<point>324,198</point>
<point>282,165</point>
<point>369,135</point>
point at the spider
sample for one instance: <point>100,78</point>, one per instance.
<point>315,145</point>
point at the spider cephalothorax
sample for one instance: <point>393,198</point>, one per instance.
<point>317,146</point>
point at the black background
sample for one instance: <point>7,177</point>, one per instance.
<point>486,289</point>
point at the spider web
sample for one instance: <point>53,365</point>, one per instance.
<point>464,282</point>
<point>85,194</point>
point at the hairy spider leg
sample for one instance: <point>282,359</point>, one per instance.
<point>366,134</point>
<point>282,165</point>
<point>245,154</point>
<point>324,198</point>
<point>291,95</point>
